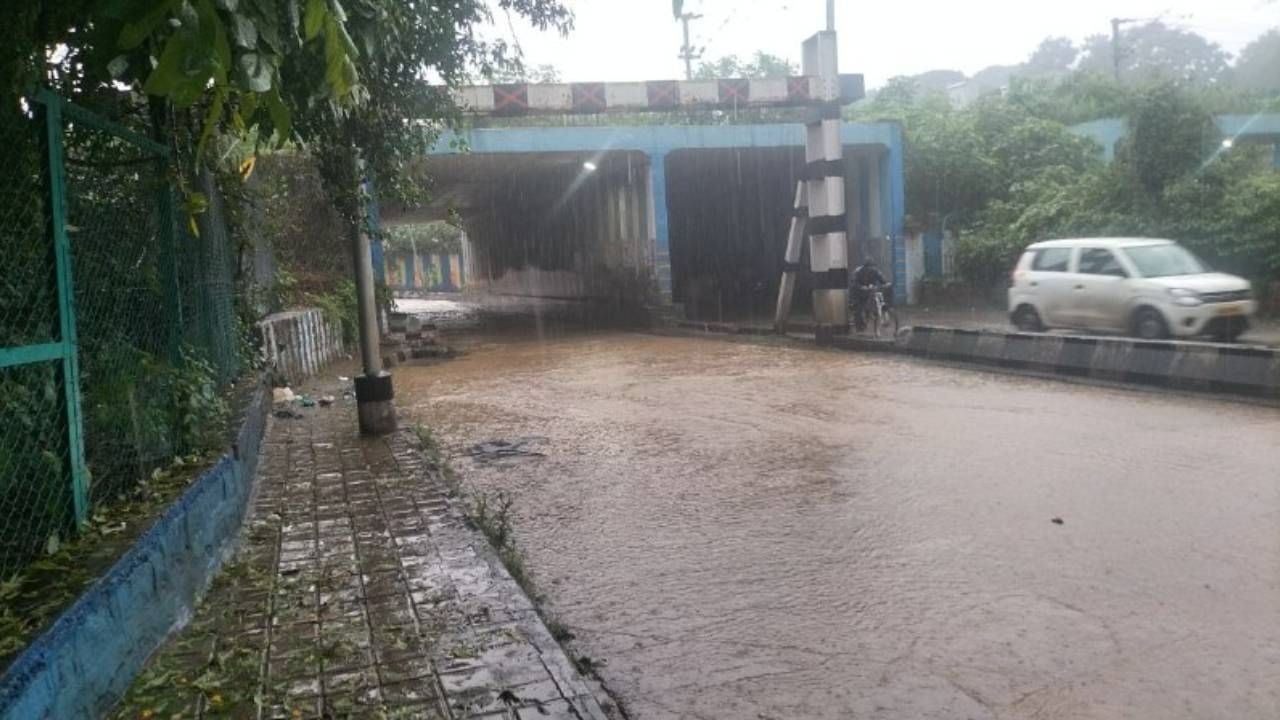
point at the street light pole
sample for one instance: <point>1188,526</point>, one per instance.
<point>375,406</point>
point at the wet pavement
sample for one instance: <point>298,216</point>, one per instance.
<point>360,591</point>
<point>764,531</point>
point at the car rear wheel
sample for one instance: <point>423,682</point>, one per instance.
<point>1027,319</point>
<point>1149,324</point>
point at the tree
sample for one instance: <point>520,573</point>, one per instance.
<point>1054,56</point>
<point>1258,67</point>
<point>1156,51</point>
<point>1169,136</point>
<point>518,72</point>
<point>761,65</point>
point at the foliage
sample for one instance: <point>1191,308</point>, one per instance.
<point>339,304</point>
<point>1168,180</point>
<point>518,72</point>
<point>1155,51</point>
<point>1258,67</point>
<point>33,597</point>
<point>433,237</point>
<point>760,65</point>
<point>1169,136</point>
<point>200,410</point>
<point>1005,170</point>
<point>958,160</point>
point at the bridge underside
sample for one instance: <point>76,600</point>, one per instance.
<point>702,226</point>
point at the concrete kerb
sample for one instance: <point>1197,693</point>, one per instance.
<point>1203,367</point>
<point>1252,372</point>
<point>86,660</point>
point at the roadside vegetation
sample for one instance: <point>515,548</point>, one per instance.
<point>1003,170</point>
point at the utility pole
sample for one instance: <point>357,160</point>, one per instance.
<point>1115,43</point>
<point>687,52</point>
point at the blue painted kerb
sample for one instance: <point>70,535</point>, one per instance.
<point>85,662</point>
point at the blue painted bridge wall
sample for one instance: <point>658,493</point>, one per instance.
<point>656,141</point>
<point>82,665</point>
<point>1262,129</point>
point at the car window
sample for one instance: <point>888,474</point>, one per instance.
<point>1164,260</point>
<point>1097,261</point>
<point>1052,260</point>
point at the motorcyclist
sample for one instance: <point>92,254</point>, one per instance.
<point>866,275</point>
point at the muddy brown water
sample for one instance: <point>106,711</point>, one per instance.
<point>754,531</point>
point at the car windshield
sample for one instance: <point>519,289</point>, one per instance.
<point>1155,261</point>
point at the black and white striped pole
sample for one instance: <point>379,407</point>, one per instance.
<point>826,224</point>
<point>791,259</point>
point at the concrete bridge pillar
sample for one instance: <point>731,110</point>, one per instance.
<point>659,235</point>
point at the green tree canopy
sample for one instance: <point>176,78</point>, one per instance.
<point>760,65</point>
<point>1258,67</point>
<point>1154,51</point>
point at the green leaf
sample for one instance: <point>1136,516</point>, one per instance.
<point>132,35</point>
<point>210,123</point>
<point>248,107</point>
<point>255,72</point>
<point>228,5</point>
<point>313,23</point>
<point>281,118</point>
<point>196,203</point>
<point>213,35</point>
<point>340,71</point>
<point>244,32</point>
<point>267,21</point>
<point>168,73</point>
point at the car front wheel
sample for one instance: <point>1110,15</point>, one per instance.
<point>1149,324</point>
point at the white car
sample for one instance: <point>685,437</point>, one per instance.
<point>1148,288</point>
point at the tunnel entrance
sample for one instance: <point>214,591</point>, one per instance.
<point>566,226</point>
<point>729,213</point>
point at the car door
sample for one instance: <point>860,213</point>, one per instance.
<point>1100,290</point>
<point>1051,278</point>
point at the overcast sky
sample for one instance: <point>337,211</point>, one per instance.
<point>639,40</point>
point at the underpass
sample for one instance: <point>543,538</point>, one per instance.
<point>651,214</point>
<point>769,531</point>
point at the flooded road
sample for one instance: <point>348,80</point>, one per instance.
<point>766,532</point>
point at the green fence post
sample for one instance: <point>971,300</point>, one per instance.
<point>57,212</point>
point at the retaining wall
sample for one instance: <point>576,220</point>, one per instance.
<point>90,655</point>
<point>1205,367</point>
<point>298,343</point>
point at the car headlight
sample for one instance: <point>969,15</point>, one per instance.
<point>1185,297</point>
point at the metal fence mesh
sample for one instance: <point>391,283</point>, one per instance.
<point>126,314</point>
<point>207,269</point>
<point>35,492</point>
<point>150,298</point>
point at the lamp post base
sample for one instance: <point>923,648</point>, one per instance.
<point>375,404</point>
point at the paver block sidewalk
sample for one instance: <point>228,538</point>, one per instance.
<point>360,591</point>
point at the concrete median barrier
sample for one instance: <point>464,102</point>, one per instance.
<point>1203,367</point>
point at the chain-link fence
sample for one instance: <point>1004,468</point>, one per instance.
<point>116,318</point>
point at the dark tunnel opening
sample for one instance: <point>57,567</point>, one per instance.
<point>730,210</point>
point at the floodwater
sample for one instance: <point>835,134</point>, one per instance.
<point>765,532</point>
